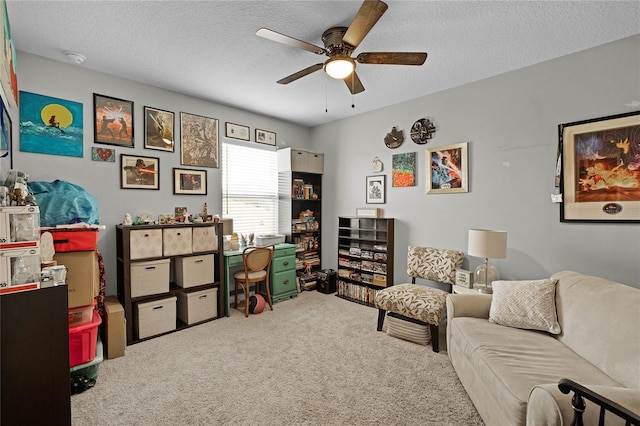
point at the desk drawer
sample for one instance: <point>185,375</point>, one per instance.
<point>291,251</point>
<point>280,264</point>
<point>284,282</point>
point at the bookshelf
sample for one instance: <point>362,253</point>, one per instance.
<point>300,207</point>
<point>365,257</point>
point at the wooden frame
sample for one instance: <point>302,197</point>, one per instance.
<point>376,187</point>
<point>159,129</point>
<point>189,181</point>
<point>447,169</point>
<point>265,137</point>
<point>236,131</point>
<point>113,121</point>
<point>137,172</point>
<point>199,141</point>
<point>600,176</point>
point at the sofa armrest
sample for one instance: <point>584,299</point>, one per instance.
<point>468,305</point>
<point>548,406</point>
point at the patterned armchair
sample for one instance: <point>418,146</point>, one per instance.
<point>418,303</point>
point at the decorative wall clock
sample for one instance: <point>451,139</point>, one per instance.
<point>422,130</point>
<point>394,138</point>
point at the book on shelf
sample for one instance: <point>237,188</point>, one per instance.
<point>297,190</point>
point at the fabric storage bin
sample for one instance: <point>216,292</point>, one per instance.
<point>155,317</point>
<point>407,330</point>
<point>204,239</point>
<point>150,277</point>
<point>74,239</point>
<point>145,243</point>
<point>176,241</point>
<point>194,270</point>
<point>82,341</point>
<point>198,306</point>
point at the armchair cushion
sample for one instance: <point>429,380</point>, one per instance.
<point>527,304</point>
<point>433,263</point>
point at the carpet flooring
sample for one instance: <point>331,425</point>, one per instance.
<point>314,360</point>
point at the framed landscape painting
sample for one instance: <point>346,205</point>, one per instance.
<point>447,169</point>
<point>600,175</point>
<point>199,140</point>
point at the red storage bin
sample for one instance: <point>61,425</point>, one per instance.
<point>82,341</point>
<point>73,239</point>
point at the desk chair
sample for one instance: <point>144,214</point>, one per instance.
<point>257,265</point>
<point>419,304</point>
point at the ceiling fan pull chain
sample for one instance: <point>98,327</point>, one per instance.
<point>326,102</point>
<point>353,85</point>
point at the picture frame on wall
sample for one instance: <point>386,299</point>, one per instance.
<point>376,186</point>
<point>600,176</point>
<point>236,131</point>
<point>137,172</point>
<point>159,129</point>
<point>403,169</point>
<point>447,169</point>
<point>199,145</point>
<point>113,122</point>
<point>265,137</point>
<point>6,140</point>
<point>189,181</point>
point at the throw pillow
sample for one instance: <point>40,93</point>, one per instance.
<point>529,304</point>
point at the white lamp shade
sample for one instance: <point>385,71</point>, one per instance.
<point>227,226</point>
<point>487,244</point>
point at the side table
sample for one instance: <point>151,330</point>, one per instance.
<point>458,289</point>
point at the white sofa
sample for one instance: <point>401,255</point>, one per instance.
<point>511,374</point>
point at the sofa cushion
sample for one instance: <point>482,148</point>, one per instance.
<point>509,362</point>
<point>529,304</point>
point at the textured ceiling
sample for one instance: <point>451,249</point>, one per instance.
<point>209,49</point>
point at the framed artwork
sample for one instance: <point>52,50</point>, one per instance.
<point>139,172</point>
<point>6,144</point>
<point>50,125</point>
<point>103,154</point>
<point>113,121</point>
<point>448,169</point>
<point>159,129</point>
<point>265,137</point>
<point>199,145</point>
<point>8,76</point>
<point>236,131</point>
<point>403,169</point>
<point>376,189</point>
<point>600,178</point>
<point>188,181</point>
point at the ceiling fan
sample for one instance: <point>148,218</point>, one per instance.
<point>339,44</point>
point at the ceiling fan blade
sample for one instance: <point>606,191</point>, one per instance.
<point>393,58</point>
<point>300,74</point>
<point>365,19</point>
<point>289,41</point>
<point>354,84</point>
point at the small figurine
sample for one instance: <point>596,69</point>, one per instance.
<point>128,220</point>
<point>30,200</point>
<point>17,197</point>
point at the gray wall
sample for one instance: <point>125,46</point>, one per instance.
<point>510,122</point>
<point>55,79</point>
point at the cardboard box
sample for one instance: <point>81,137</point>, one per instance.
<point>114,328</point>
<point>83,276</point>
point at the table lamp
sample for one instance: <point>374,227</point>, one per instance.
<point>487,244</point>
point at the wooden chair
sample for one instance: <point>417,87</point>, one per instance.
<point>257,266</point>
<point>416,303</point>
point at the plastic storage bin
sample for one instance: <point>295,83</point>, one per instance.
<point>81,315</point>
<point>83,340</point>
<point>90,369</point>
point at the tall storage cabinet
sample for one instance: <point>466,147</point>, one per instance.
<point>300,205</point>
<point>160,267</point>
<point>34,358</point>
<point>365,257</point>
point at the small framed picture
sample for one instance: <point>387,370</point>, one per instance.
<point>189,181</point>
<point>159,129</point>
<point>103,154</point>
<point>139,172</point>
<point>113,121</point>
<point>376,189</point>
<point>236,131</point>
<point>265,137</point>
<point>464,278</point>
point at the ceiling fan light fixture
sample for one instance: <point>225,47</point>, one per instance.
<point>340,67</point>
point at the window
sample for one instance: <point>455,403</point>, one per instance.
<point>250,188</point>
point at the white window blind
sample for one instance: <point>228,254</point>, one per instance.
<point>250,188</point>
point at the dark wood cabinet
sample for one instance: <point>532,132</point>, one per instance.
<point>365,257</point>
<point>34,358</point>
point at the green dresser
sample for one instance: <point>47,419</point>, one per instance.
<point>283,273</point>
